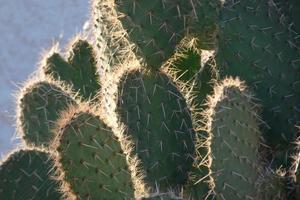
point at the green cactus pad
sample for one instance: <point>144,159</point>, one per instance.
<point>39,107</point>
<point>256,47</point>
<point>233,143</point>
<point>26,174</point>
<point>156,28</point>
<point>80,71</point>
<point>158,120</point>
<point>91,162</point>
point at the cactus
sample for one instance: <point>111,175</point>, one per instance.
<point>39,106</point>
<point>26,174</point>
<point>79,71</point>
<point>158,119</point>
<point>90,159</point>
<point>161,125</point>
<point>256,47</point>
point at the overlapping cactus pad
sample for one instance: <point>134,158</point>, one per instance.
<point>182,100</point>
<point>28,174</point>
<point>39,107</point>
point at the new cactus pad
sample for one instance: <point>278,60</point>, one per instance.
<point>79,71</point>
<point>27,174</point>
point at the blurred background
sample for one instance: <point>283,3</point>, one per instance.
<point>28,28</point>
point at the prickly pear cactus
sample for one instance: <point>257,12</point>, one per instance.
<point>79,71</point>
<point>27,174</point>
<point>157,118</point>
<point>39,106</point>
<point>90,159</point>
<point>164,126</point>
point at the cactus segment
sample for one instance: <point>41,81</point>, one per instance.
<point>80,71</point>
<point>26,174</point>
<point>91,163</point>
<point>157,118</point>
<point>234,140</point>
<point>39,107</point>
<point>254,46</point>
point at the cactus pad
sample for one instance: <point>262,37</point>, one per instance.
<point>26,174</point>
<point>80,71</point>
<point>91,162</point>
<point>39,107</point>
<point>233,143</point>
<point>157,118</point>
